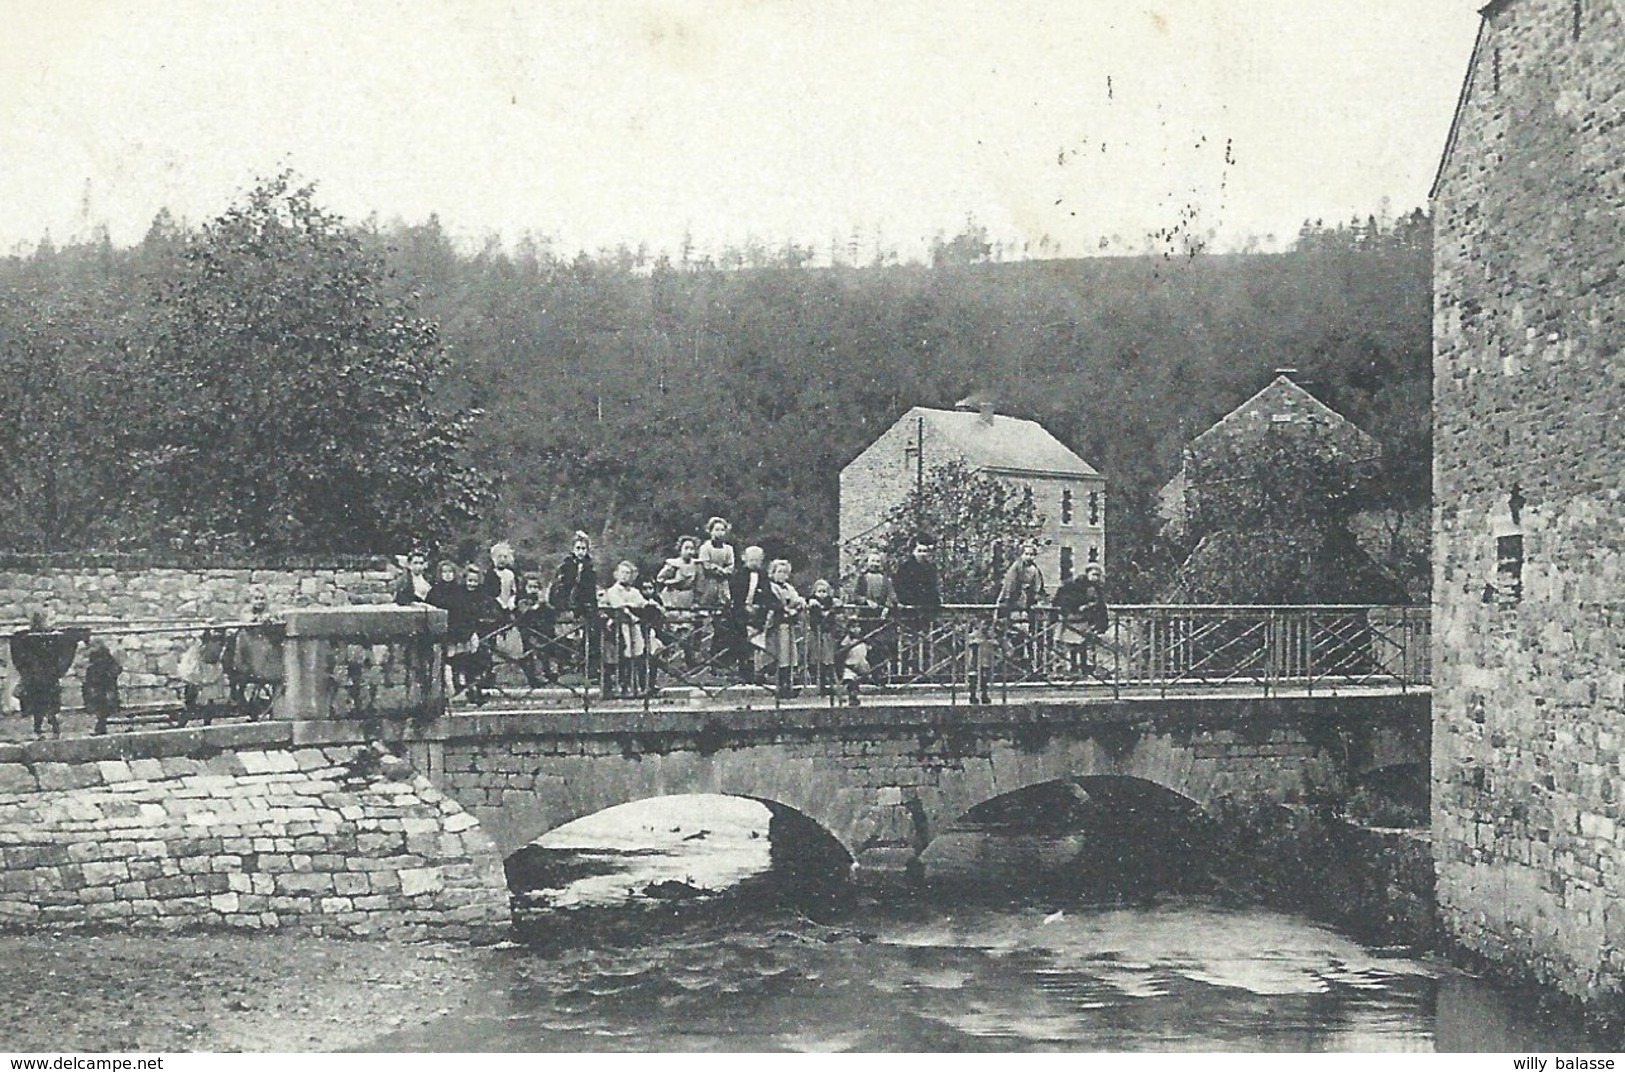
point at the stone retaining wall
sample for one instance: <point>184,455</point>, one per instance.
<point>236,827</point>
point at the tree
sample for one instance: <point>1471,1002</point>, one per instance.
<point>1269,517</point>
<point>292,398</point>
<point>969,246</point>
<point>67,391</point>
<point>979,523</point>
<point>64,472</point>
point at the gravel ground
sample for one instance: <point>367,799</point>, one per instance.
<point>110,993</point>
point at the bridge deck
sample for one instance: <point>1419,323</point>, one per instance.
<point>77,725</point>
<point>743,698</point>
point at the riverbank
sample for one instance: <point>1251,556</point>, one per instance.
<point>177,993</point>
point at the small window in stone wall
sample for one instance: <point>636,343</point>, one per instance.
<point>1066,506</point>
<point>1094,508</point>
<point>1509,567</point>
<point>1094,554</point>
<point>1579,17</point>
<point>1066,563</point>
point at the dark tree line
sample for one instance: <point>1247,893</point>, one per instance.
<point>251,384</point>
<point>312,382</point>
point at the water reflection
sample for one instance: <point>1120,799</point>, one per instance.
<point>702,843</point>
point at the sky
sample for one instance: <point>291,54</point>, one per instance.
<point>1063,127</point>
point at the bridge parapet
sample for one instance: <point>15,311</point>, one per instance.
<point>564,661</point>
<point>370,663</point>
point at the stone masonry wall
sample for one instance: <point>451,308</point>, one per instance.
<point>1529,524</point>
<point>880,478</point>
<point>260,836</point>
<point>126,589</point>
<point>885,782</point>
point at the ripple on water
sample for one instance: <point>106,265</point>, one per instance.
<point>1181,975</point>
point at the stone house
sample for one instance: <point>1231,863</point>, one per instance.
<point>1211,456</point>
<point>1529,509</point>
<point>1068,493</point>
<point>1251,501</point>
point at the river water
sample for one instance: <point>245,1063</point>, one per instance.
<point>631,952</point>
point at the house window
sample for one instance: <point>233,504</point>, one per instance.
<point>1066,506</point>
<point>1094,508</point>
<point>1509,567</point>
<point>1094,554</point>
<point>1066,563</point>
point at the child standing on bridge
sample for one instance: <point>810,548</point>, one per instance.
<point>626,654</point>
<point>823,635</point>
<point>785,606</point>
<point>100,687</point>
<point>41,655</point>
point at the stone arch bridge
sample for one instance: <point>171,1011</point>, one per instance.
<point>363,808</point>
<point>886,780</point>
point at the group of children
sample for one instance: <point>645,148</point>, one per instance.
<point>764,627</point>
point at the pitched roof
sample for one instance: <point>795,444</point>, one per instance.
<point>1006,444</point>
<point>1486,13</point>
<point>1284,401</point>
<point>1461,106</point>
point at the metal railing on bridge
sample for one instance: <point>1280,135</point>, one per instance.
<point>185,672</point>
<point>563,660</point>
<point>166,673</point>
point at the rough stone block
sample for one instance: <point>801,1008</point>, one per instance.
<point>304,884</point>
<point>17,778</point>
<point>150,770</point>
<point>106,874</point>
<point>350,884</point>
<point>55,776</point>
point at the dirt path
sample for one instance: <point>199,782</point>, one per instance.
<point>102,993</point>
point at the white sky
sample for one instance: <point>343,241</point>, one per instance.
<point>606,122</point>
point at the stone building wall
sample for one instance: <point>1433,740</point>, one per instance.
<point>1529,524</point>
<point>881,477</point>
<point>182,591</point>
<point>246,832</point>
<point>884,475</point>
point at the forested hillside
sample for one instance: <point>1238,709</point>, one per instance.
<point>633,398</point>
<point>633,404</point>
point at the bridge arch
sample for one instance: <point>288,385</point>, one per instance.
<point>517,816</point>
<point>1167,760</point>
<point>793,851</point>
<point>1089,833</point>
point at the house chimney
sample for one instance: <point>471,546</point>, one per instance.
<point>981,402</point>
